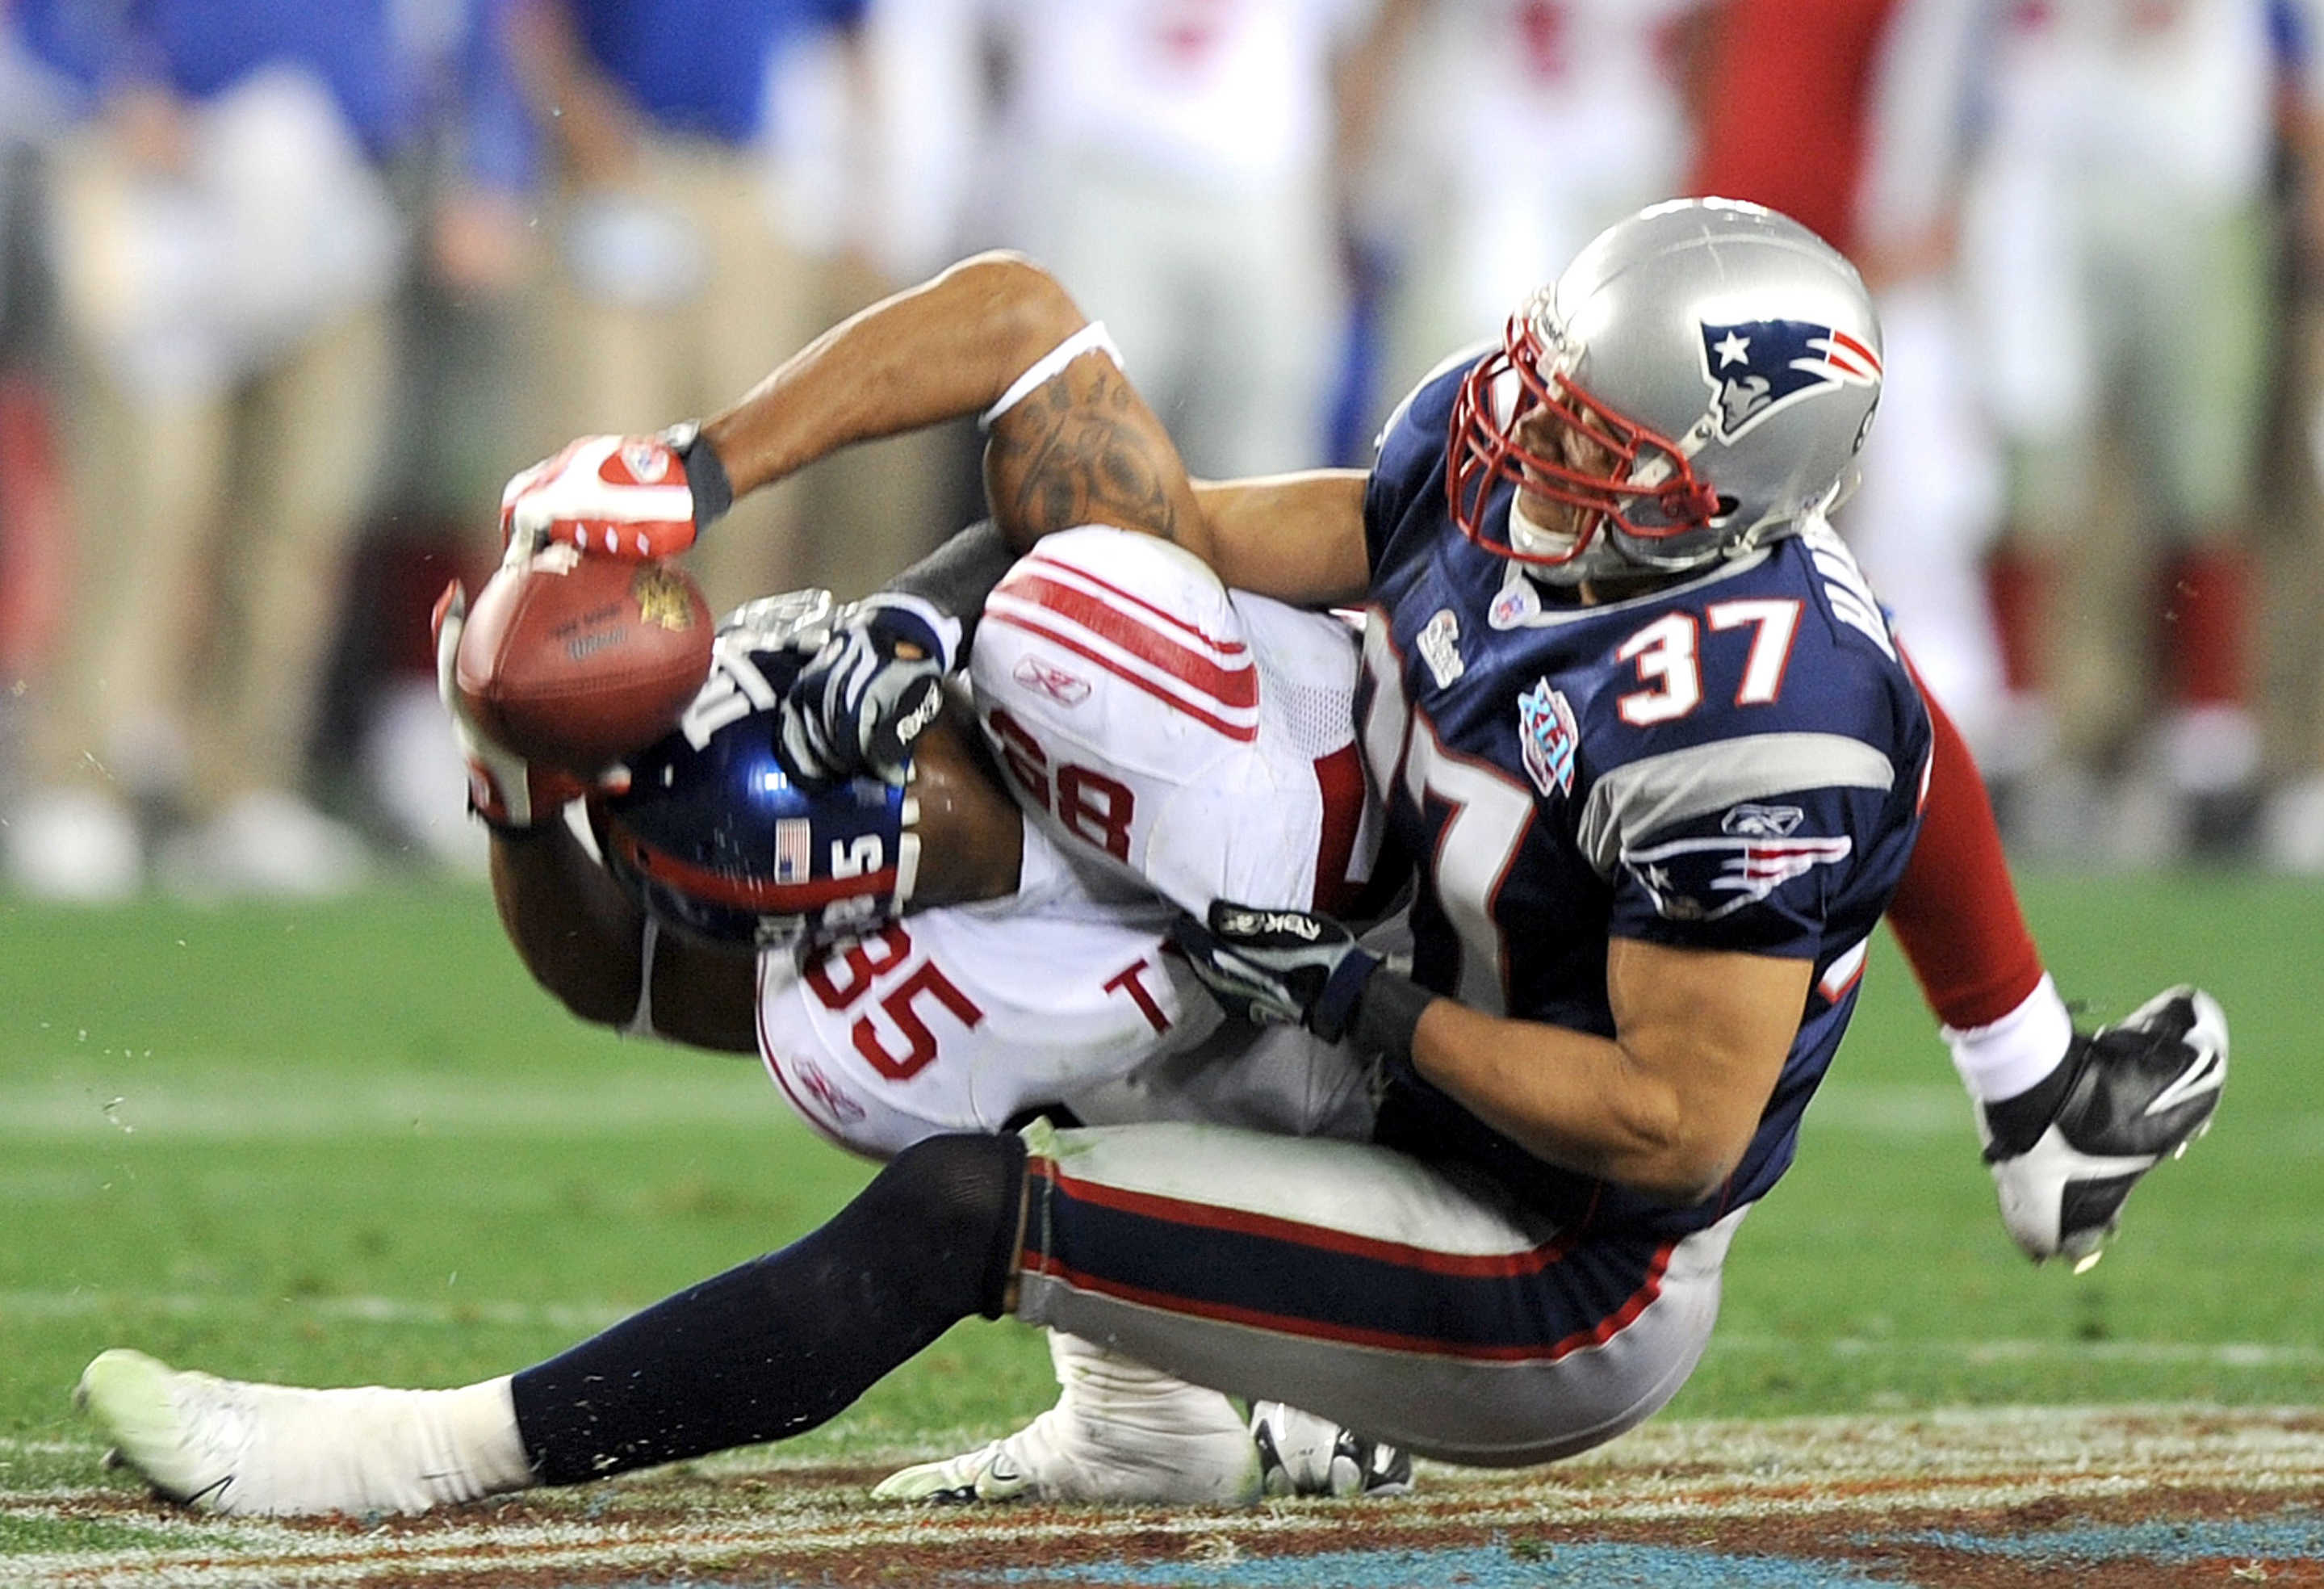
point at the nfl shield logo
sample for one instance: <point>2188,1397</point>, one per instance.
<point>1549,737</point>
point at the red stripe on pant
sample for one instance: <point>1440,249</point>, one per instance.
<point>1431,1272</point>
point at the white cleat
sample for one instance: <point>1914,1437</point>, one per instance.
<point>1119,1432</point>
<point>241,1448</point>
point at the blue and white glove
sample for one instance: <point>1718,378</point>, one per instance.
<point>871,690</point>
<point>1279,968</point>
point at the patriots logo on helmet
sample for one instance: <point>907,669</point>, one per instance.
<point>1759,367</point>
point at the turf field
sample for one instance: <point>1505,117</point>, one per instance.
<point>352,1142</point>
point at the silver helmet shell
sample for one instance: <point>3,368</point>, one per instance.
<point>1723,364</point>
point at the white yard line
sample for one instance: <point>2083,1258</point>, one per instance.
<point>568,1315</point>
<point>239,1103</point>
<point>596,1314</point>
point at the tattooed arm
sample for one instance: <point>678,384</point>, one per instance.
<point>1083,447</point>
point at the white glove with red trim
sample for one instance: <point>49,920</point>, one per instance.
<point>638,497</point>
<point>512,796</point>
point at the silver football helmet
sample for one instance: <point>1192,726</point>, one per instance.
<point>1698,381</point>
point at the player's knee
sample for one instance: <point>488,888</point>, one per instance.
<point>952,1203</point>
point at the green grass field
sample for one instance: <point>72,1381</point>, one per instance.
<point>352,1142</point>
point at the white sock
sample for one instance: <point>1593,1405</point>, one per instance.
<point>375,1449</point>
<point>476,1426</point>
<point>2003,1059</point>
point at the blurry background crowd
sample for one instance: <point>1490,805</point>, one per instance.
<point>288,287</point>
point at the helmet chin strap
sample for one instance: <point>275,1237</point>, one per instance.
<point>1601,559</point>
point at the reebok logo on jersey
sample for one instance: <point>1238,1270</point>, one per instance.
<point>1760,367</point>
<point>826,1092</point>
<point>1548,738</point>
<point>1763,821</point>
<point>1051,680</point>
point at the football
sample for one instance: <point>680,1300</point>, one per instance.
<point>575,661</point>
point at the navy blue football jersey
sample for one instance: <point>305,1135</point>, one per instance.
<point>1734,762</point>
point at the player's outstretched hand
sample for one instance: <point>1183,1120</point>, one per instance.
<point>1281,967</point>
<point>637,497</point>
<point>870,690</point>
<point>506,791</point>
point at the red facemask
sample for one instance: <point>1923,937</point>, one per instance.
<point>1481,449</point>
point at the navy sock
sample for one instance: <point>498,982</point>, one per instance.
<point>775,1347</point>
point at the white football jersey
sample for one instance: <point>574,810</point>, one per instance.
<point>967,1018</point>
<point>958,1019</point>
<point>1179,739</point>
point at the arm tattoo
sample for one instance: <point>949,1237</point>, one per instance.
<point>1081,449</point>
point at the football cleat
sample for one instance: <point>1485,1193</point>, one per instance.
<point>1300,1454</point>
<point>236,1447</point>
<point>2124,1097</point>
<point>1119,1432</point>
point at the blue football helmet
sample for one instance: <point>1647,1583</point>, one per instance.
<point>717,838</point>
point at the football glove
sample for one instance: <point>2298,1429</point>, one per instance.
<point>512,796</point>
<point>1279,968</point>
<point>638,497</point>
<point>870,690</point>
<point>2066,1152</point>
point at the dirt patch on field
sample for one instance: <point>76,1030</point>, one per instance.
<point>2115,1499</point>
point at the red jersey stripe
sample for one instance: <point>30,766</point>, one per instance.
<point>1244,733</point>
<point>1225,648</point>
<point>1235,687</point>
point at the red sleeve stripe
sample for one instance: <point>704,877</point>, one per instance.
<point>1057,565</point>
<point>1245,731</point>
<point>1225,676</point>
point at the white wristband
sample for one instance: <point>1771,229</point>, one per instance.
<point>1091,336</point>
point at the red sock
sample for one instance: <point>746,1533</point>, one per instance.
<point>2017,586</point>
<point>1956,913</point>
<point>2206,603</point>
